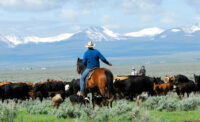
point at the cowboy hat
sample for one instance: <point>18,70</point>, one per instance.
<point>90,44</point>
<point>133,68</point>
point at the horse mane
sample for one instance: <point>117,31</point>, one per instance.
<point>80,66</point>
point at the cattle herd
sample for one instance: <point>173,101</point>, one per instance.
<point>125,87</point>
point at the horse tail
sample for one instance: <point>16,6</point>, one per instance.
<point>109,84</point>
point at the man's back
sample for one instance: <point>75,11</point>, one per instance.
<point>91,58</point>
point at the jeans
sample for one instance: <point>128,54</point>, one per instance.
<point>82,80</point>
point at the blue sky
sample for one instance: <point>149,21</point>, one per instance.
<point>51,17</point>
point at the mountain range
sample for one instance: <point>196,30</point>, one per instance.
<point>68,46</point>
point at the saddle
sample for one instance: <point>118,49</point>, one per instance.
<point>91,71</point>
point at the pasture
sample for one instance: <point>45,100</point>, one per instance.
<point>164,108</point>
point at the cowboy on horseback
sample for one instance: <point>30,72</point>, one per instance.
<point>91,60</point>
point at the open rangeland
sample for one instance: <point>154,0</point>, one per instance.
<point>169,108</point>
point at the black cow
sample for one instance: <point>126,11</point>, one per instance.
<point>15,90</point>
<point>186,87</point>
<point>2,92</point>
<point>72,87</point>
<point>181,79</point>
<point>46,87</point>
<point>197,81</point>
<point>134,86</point>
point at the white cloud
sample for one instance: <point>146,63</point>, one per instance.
<point>112,26</point>
<point>197,18</point>
<point>167,20</point>
<point>85,12</point>
<point>139,6</point>
<point>73,15</point>
<point>168,17</point>
<point>76,28</point>
<point>106,18</point>
<point>146,18</point>
<point>90,3</point>
<point>31,5</point>
<point>194,3</point>
<point>69,14</point>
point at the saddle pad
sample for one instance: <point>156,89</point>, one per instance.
<point>91,71</point>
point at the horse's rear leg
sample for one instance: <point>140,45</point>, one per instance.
<point>102,91</point>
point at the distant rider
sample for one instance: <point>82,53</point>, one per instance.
<point>142,71</point>
<point>91,60</point>
<point>134,72</point>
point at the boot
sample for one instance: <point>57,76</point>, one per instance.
<point>82,94</point>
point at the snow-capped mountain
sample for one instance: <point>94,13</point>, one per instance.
<point>192,29</point>
<point>145,32</point>
<point>145,42</point>
<point>98,34</point>
<point>93,33</point>
<point>13,40</point>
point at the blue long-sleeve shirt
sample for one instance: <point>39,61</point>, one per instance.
<point>91,58</point>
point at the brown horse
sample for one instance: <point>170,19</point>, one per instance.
<point>100,81</point>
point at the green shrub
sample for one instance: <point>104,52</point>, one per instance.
<point>8,114</point>
<point>189,104</point>
<point>172,103</point>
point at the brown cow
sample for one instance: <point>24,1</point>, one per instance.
<point>35,95</point>
<point>51,80</point>
<point>162,89</point>
<point>167,79</point>
<point>4,83</point>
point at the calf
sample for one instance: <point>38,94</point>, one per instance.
<point>56,100</point>
<point>98,100</point>
<point>167,79</point>
<point>76,99</point>
<point>140,99</point>
<point>162,89</point>
<point>35,95</point>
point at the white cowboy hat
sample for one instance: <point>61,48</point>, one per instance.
<point>90,44</point>
<point>133,68</point>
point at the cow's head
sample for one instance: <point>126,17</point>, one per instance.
<point>39,87</point>
<point>197,78</point>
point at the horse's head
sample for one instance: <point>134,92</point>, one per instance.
<point>80,66</point>
<point>157,80</point>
